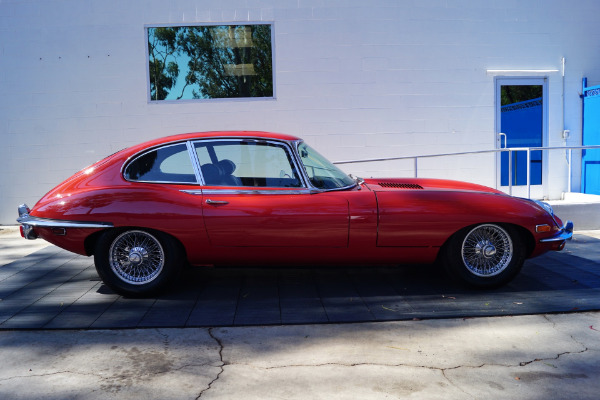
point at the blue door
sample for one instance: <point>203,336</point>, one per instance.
<point>520,116</point>
<point>590,162</point>
<point>522,124</point>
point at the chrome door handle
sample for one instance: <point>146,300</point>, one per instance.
<point>216,202</point>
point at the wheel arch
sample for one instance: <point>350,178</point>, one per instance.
<point>482,269</point>
<point>91,241</point>
<point>525,235</point>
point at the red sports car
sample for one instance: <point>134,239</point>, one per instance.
<point>256,198</point>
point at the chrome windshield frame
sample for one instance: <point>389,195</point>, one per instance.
<point>314,189</point>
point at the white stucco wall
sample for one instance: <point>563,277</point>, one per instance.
<point>356,79</point>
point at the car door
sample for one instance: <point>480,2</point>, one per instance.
<point>254,196</point>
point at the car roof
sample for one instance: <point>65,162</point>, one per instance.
<point>216,134</point>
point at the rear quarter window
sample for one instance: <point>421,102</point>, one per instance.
<point>168,164</point>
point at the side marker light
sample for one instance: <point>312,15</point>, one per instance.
<point>543,228</point>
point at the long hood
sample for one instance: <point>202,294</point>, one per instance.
<point>403,184</point>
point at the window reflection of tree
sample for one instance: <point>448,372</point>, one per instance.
<point>222,61</point>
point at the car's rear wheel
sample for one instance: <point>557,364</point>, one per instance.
<point>137,262</point>
<point>485,255</point>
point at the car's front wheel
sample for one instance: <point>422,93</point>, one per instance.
<point>137,262</point>
<point>485,255</point>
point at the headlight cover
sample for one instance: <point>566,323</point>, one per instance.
<point>545,206</point>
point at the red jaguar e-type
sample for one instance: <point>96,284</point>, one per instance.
<point>256,198</point>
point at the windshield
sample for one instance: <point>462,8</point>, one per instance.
<point>322,173</point>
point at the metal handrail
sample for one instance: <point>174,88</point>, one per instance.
<point>510,150</point>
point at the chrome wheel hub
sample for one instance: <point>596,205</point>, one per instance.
<point>487,250</point>
<point>136,257</point>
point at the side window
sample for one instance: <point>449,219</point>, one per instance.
<point>169,164</point>
<point>246,163</point>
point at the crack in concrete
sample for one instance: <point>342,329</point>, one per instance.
<point>524,363</point>
<point>99,375</point>
<point>166,339</point>
<point>441,369</point>
<point>452,383</point>
<point>221,367</point>
<point>46,374</point>
<point>571,336</point>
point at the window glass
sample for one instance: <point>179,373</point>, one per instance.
<point>208,62</point>
<point>169,164</point>
<point>246,163</point>
<point>322,173</point>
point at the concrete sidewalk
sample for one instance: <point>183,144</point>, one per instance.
<point>526,357</point>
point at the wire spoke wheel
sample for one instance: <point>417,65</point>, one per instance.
<point>136,257</point>
<point>487,250</point>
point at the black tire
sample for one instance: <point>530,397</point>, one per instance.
<point>137,262</point>
<point>485,255</point>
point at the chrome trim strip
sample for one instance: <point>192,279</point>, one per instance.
<point>195,162</point>
<point>193,192</point>
<point>168,183</point>
<point>54,223</point>
<point>566,233</point>
<point>248,191</point>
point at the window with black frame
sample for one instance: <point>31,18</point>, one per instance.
<point>210,62</point>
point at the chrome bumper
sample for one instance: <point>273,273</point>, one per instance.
<point>28,223</point>
<point>566,233</point>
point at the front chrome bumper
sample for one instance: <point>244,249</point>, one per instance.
<point>566,233</point>
<point>28,223</point>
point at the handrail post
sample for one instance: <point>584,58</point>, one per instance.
<point>529,172</point>
<point>416,167</point>
<point>569,182</point>
<point>510,172</point>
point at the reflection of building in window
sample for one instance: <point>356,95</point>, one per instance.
<point>206,62</point>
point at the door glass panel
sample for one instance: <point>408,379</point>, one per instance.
<point>246,163</point>
<point>521,119</point>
